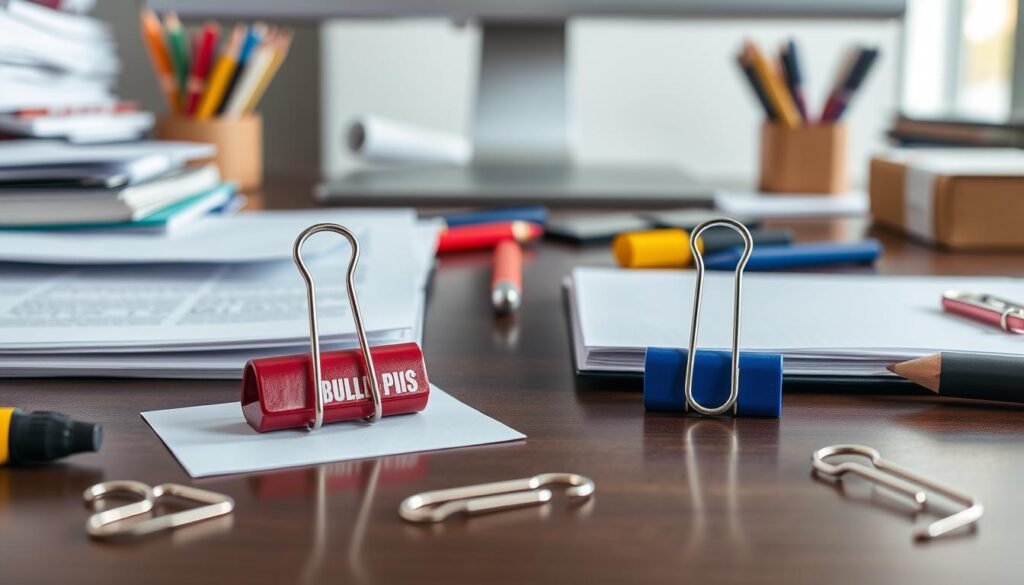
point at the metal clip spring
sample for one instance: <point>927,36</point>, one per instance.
<point>436,506</point>
<point>734,380</point>
<point>902,481</point>
<point>314,334</point>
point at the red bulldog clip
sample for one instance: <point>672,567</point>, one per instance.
<point>278,392</point>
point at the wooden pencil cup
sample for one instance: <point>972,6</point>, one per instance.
<point>805,159</point>
<point>239,142</point>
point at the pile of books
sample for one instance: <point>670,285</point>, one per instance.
<point>55,185</point>
<point>57,68</point>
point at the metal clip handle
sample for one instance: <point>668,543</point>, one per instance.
<point>691,356</point>
<point>109,523</point>
<point>314,334</point>
<point>436,506</point>
<point>903,481</point>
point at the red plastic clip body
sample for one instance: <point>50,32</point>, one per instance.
<point>277,392</point>
<point>309,390</point>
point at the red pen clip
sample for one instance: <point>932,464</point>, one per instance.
<point>1007,315</point>
<point>278,392</point>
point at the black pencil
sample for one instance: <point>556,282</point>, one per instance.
<point>748,71</point>
<point>981,376</point>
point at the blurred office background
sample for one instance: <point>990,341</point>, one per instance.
<point>640,90</point>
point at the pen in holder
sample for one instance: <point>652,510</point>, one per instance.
<point>238,139</point>
<point>803,159</point>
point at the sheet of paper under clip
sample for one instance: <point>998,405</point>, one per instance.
<point>215,439</point>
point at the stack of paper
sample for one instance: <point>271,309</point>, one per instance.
<point>57,68</point>
<point>824,325</point>
<point>201,304</point>
<point>52,185</point>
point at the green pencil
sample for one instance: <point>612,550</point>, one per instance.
<point>179,49</point>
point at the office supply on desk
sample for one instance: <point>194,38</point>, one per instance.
<point>772,205</point>
<point>747,67</point>
<point>978,376</point>
<point>112,523</point>
<point>220,77</point>
<point>665,367</point>
<point>201,64</point>
<point>275,391</point>
<point>215,439</point>
<point>958,198</point>
<point>30,438</point>
<point>594,228</point>
<point>254,35</point>
<point>207,320</point>
<point>178,46</point>
<point>956,131</point>
<point>778,96</point>
<point>507,278</point>
<point>688,219</point>
<point>156,45</point>
<point>810,159</point>
<point>537,214</point>
<point>664,248</point>
<point>378,139</point>
<point>801,255</point>
<point>847,83</point>
<point>483,236</point>
<point>237,141</point>
<point>884,319</point>
<point>87,127</point>
<point>790,62</point>
<point>902,481</point>
<point>439,505</point>
<point>42,206</point>
<point>1005,314</point>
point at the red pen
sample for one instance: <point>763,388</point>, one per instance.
<point>507,277</point>
<point>486,235</point>
<point>201,67</point>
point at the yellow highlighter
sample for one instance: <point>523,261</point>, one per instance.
<point>221,75</point>
<point>665,248</point>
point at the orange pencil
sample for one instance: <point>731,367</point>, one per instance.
<point>507,277</point>
<point>153,33</point>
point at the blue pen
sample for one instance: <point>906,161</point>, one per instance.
<point>253,36</point>
<point>798,255</point>
<point>534,214</point>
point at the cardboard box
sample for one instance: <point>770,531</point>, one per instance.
<point>961,208</point>
<point>806,159</point>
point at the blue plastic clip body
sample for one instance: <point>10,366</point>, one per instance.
<point>760,392</point>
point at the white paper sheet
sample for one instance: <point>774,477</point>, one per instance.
<point>174,307</point>
<point>216,440</point>
<point>242,238</point>
<point>854,203</point>
<point>823,324</point>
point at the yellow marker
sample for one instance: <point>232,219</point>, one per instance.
<point>667,248</point>
<point>28,438</point>
<point>777,92</point>
<point>221,75</point>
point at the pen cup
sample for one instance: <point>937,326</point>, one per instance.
<point>805,159</point>
<point>239,142</point>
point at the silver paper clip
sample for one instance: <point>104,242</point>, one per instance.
<point>902,481</point>
<point>734,381</point>
<point>109,523</point>
<point>437,506</point>
<point>357,316</point>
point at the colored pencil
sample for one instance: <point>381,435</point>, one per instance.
<point>979,376</point>
<point>153,34</point>
<point>201,66</point>
<point>217,84</point>
<point>250,78</point>
<point>794,80</point>
<point>748,71</point>
<point>779,97</point>
<point>279,45</point>
<point>179,53</point>
<point>254,35</point>
<point>487,235</point>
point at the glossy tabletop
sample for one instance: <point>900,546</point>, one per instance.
<point>679,499</point>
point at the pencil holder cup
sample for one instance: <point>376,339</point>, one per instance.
<point>805,159</point>
<point>239,142</point>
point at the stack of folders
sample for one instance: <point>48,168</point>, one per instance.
<point>53,185</point>
<point>57,68</point>
<point>824,325</point>
<point>202,303</point>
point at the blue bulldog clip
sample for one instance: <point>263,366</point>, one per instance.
<point>669,376</point>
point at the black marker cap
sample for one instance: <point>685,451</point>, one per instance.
<point>43,436</point>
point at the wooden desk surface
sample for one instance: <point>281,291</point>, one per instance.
<point>702,500</point>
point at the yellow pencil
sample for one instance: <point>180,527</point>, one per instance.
<point>221,75</point>
<point>778,95</point>
<point>280,45</point>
